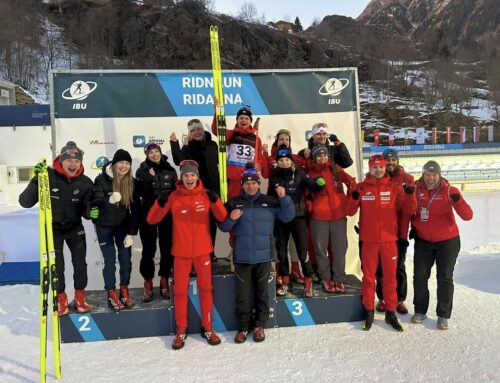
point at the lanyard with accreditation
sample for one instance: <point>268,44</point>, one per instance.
<point>424,210</point>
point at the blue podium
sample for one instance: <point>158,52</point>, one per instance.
<point>156,318</point>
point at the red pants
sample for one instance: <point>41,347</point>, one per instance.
<point>233,188</point>
<point>387,252</point>
<point>182,269</point>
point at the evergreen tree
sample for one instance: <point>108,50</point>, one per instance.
<point>298,25</point>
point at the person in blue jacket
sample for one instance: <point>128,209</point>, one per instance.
<point>251,217</point>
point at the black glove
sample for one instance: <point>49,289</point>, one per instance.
<point>413,234</point>
<point>355,195</point>
<point>163,198</point>
<point>356,229</point>
<point>455,197</point>
<point>333,138</point>
<point>403,243</point>
<point>212,196</point>
<point>409,189</point>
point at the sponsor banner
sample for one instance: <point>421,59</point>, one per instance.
<point>411,148</point>
<point>24,115</point>
<point>155,94</point>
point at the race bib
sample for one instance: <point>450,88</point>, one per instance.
<point>240,154</point>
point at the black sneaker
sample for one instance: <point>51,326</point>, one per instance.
<point>367,324</point>
<point>392,319</point>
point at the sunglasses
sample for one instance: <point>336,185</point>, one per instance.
<point>194,121</point>
<point>188,162</point>
<point>73,152</point>
<point>151,146</point>
<point>283,152</point>
<point>249,173</point>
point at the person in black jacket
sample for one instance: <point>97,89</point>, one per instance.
<point>155,176</point>
<point>117,203</point>
<point>295,181</point>
<point>337,152</point>
<point>201,148</point>
<point>70,193</point>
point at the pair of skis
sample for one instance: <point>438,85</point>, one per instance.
<point>48,276</point>
<point>220,117</point>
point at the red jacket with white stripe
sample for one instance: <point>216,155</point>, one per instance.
<point>329,204</point>
<point>190,215</point>
<point>440,224</point>
<point>380,202</point>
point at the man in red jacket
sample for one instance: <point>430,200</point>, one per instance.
<point>190,205</point>
<point>380,200</point>
<point>401,178</point>
<point>437,240</point>
<point>243,146</point>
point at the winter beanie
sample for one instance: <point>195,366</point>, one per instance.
<point>70,150</point>
<point>317,150</point>
<point>195,123</point>
<point>121,155</point>
<point>319,127</point>
<point>390,153</point>
<point>432,167</point>
<point>246,111</point>
<point>249,174</point>
<point>189,166</point>
<point>376,159</point>
<point>283,152</point>
<point>151,146</point>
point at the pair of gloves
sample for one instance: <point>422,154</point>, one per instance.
<point>408,189</point>
<point>129,239</point>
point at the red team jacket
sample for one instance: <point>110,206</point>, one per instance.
<point>380,201</point>
<point>401,178</point>
<point>190,215</point>
<point>441,224</point>
<point>330,203</point>
<point>243,145</point>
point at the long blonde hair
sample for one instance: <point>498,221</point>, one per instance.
<point>124,186</point>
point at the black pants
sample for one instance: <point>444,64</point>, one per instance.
<point>75,239</point>
<point>149,234</point>
<point>444,254</point>
<point>402,287</point>
<point>298,228</point>
<point>252,280</point>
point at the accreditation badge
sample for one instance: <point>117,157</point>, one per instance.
<point>424,214</point>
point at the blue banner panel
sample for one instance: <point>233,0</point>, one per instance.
<point>19,272</point>
<point>25,115</point>
<point>191,94</point>
<point>416,148</point>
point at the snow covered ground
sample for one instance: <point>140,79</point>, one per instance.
<point>468,352</point>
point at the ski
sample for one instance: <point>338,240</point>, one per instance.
<point>219,110</point>
<point>48,277</point>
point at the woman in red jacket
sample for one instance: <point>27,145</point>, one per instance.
<point>328,219</point>
<point>436,241</point>
<point>190,205</point>
<point>380,201</point>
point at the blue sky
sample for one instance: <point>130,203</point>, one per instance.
<point>306,10</point>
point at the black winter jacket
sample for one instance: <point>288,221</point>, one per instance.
<point>69,198</point>
<point>338,153</point>
<point>294,182</point>
<point>206,154</point>
<point>150,187</point>
<point>114,214</point>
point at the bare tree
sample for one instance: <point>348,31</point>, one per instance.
<point>248,11</point>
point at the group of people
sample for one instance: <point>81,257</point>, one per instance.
<point>309,198</point>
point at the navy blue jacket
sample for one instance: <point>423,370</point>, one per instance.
<point>253,231</point>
